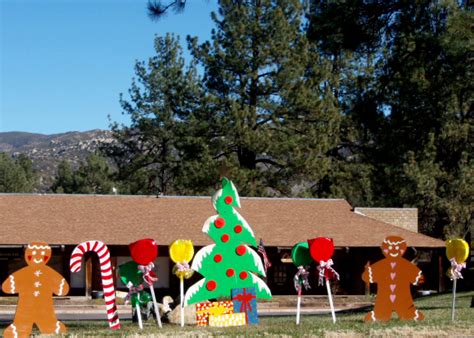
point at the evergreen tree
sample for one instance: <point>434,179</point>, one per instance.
<point>92,177</point>
<point>273,117</point>
<point>64,180</point>
<point>16,174</point>
<point>230,262</point>
<point>150,152</point>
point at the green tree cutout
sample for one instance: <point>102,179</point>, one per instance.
<point>230,262</point>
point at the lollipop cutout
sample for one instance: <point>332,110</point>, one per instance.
<point>144,252</point>
<point>457,251</point>
<point>181,253</point>
<point>322,249</point>
<point>302,259</point>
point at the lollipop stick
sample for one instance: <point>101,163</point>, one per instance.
<point>139,315</point>
<point>333,313</point>
<point>181,292</point>
<point>298,308</point>
<point>454,299</point>
<point>155,304</point>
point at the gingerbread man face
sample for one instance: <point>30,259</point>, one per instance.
<point>37,253</point>
<point>394,247</point>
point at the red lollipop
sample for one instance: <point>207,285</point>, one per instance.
<point>144,251</point>
<point>321,248</point>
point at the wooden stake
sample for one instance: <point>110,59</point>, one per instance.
<point>454,299</point>
<point>328,287</point>
<point>139,315</point>
<point>181,292</point>
<point>155,304</point>
<point>298,308</point>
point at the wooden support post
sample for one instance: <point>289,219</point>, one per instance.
<point>441,279</point>
<point>88,277</point>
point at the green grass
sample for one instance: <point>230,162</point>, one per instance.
<point>437,323</point>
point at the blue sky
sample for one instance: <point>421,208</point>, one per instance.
<point>65,62</point>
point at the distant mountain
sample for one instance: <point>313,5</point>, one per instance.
<point>46,151</point>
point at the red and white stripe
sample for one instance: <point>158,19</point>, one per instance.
<point>106,272</point>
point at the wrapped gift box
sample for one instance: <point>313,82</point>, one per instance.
<point>206,309</point>
<point>245,301</point>
<point>232,319</point>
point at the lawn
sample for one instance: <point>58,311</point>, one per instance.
<point>437,323</point>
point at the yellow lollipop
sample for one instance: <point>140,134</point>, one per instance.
<point>181,252</point>
<point>457,249</point>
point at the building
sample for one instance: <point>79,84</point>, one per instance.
<point>63,221</point>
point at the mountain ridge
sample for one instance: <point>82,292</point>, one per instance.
<point>47,151</point>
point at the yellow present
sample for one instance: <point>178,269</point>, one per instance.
<point>232,319</point>
<point>206,309</point>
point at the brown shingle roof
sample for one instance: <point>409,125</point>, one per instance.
<point>71,219</point>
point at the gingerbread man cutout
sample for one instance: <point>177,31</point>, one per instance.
<point>393,276</point>
<point>35,285</point>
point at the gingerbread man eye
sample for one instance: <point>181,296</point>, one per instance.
<point>43,253</point>
<point>34,252</point>
<point>390,247</point>
<point>397,247</point>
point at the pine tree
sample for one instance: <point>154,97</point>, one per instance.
<point>230,262</point>
<point>273,116</point>
<point>64,180</point>
<point>158,147</point>
<point>16,174</point>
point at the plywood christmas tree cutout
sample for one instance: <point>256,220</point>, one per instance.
<point>231,262</point>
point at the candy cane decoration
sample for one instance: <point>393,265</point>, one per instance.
<point>106,272</point>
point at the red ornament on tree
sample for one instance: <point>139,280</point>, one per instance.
<point>225,238</point>
<point>241,250</point>
<point>218,258</point>
<point>238,229</point>
<point>228,199</point>
<point>144,251</point>
<point>211,285</point>
<point>219,223</point>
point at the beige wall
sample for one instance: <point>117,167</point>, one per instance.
<point>406,218</point>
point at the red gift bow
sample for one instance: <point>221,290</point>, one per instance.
<point>245,299</point>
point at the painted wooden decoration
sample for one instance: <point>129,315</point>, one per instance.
<point>457,251</point>
<point>231,262</point>
<point>245,300</point>
<point>35,285</point>
<point>300,254</point>
<point>393,276</point>
<point>206,309</point>
<point>322,249</point>
<point>227,320</point>
<point>302,259</point>
<point>132,277</point>
<point>103,253</point>
<point>144,252</point>
<point>181,253</point>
